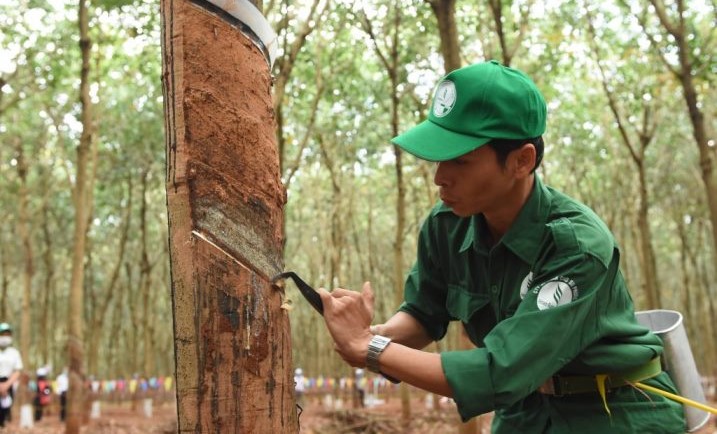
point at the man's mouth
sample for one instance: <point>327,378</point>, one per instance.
<point>448,201</point>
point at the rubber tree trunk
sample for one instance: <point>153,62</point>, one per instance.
<point>82,197</point>
<point>225,202</point>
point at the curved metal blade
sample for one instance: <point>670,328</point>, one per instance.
<point>306,290</point>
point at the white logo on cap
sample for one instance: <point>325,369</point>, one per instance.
<point>556,292</point>
<point>444,98</point>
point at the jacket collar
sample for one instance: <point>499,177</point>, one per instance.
<point>525,234</point>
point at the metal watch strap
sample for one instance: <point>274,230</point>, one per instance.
<point>376,346</point>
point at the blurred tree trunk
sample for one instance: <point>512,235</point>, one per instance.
<point>4,282</point>
<point>704,302</point>
<point>390,61</point>
<point>145,273</point>
<point>445,12</point>
<point>134,292</point>
<point>503,22</point>
<point>225,200</point>
<point>116,357</point>
<point>23,231</point>
<point>336,248</point>
<point>48,318</point>
<point>445,15</point>
<point>101,301</point>
<point>4,263</point>
<point>645,133</point>
<point>82,198</point>
<point>679,34</point>
<point>285,65</point>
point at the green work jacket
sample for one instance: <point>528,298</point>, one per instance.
<point>548,298</point>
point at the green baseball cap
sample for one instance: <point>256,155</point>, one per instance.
<point>474,105</point>
<point>5,327</point>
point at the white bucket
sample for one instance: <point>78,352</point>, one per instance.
<point>678,361</point>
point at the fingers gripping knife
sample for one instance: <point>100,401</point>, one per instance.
<point>310,295</point>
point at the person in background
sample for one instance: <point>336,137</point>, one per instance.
<point>299,386</point>
<point>43,394</point>
<point>359,381</point>
<point>10,368</point>
<point>532,274</point>
<point>63,383</point>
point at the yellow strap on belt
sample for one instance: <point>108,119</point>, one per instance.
<point>677,398</point>
<point>600,380</point>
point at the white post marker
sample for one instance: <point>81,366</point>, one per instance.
<point>27,416</point>
<point>95,412</point>
<point>147,407</point>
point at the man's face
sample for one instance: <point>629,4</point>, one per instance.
<point>474,183</point>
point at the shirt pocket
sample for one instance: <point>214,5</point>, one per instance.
<point>462,304</point>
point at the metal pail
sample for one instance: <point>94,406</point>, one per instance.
<point>677,360</point>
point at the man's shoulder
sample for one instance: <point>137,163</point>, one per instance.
<point>576,227</point>
<point>564,206</point>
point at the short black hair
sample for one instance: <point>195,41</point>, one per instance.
<point>503,147</point>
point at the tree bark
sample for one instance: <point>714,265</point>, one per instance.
<point>225,200</point>
<point>82,197</point>
<point>445,12</point>
<point>48,318</point>
<point>499,20</point>
<point>25,239</point>
<point>285,65</point>
<point>99,312</point>
<point>145,273</point>
<point>4,282</point>
<point>685,75</point>
<point>445,15</point>
<point>637,150</point>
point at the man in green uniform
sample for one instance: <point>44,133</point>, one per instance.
<point>532,274</point>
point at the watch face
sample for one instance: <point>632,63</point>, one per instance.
<point>379,341</point>
<point>377,344</point>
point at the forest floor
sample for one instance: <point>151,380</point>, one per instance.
<point>113,419</point>
<point>383,417</point>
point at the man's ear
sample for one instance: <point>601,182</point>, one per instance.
<point>523,160</point>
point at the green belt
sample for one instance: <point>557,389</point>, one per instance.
<point>559,385</point>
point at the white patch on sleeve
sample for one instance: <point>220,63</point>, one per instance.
<point>526,285</point>
<point>556,292</point>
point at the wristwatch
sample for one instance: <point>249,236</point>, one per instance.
<point>376,346</point>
